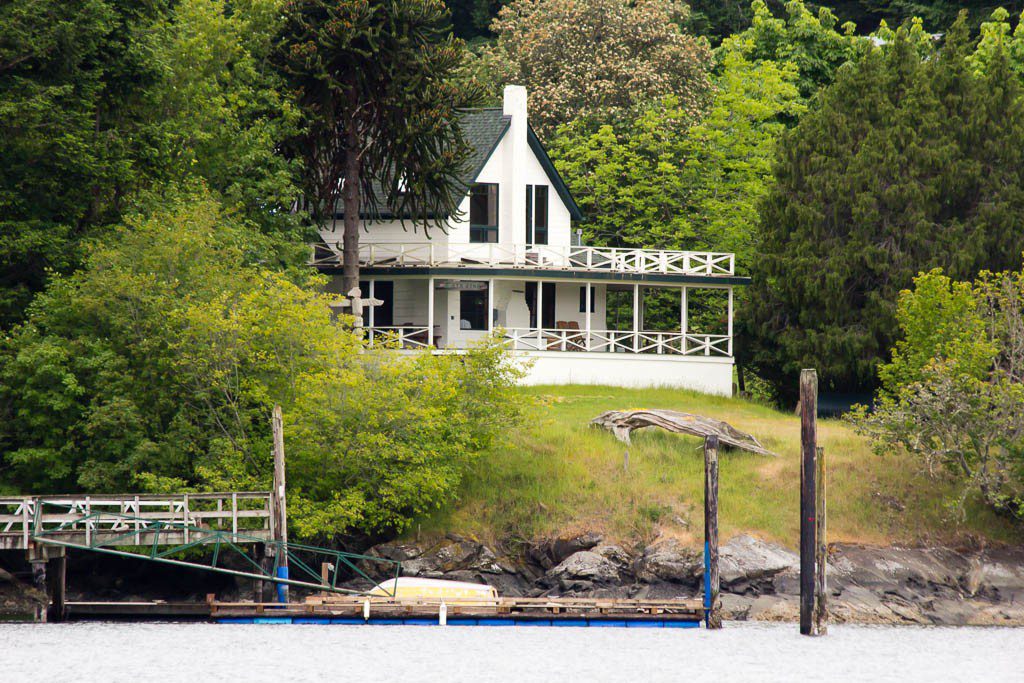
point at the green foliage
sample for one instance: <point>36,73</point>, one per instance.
<point>597,59</point>
<point>815,44</point>
<point>953,392</point>
<point>663,180</point>
<point>939,320</point>
<point>156,366</point>
<point>101,99</point>
<point>909,162</point>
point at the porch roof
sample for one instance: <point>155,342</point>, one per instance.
<point>485,273</point>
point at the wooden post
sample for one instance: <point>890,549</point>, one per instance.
<point>821,606</point>
<point>280,507</point>
<point>57,586</point>
<point>38,563</point>
<point>808,526</point>
<point>712,615</point>
<point>260,558</point>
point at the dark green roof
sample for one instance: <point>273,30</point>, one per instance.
<point>483,130</point>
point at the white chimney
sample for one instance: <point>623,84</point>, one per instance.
<point>514,195</point>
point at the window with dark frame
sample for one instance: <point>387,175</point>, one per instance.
<point>483,213</point>
<point>536,214</point>
<point>583,298</point>
<point>473,310</point>
<point>540,214</point>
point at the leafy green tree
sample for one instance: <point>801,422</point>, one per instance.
<point>663,180</point>
<point>376,85</point>
<point>157,364</point>
<point>952,393</point>
<point>940,320</point>
<point>908,163</point>
<point>598,59</point>
<point>101,99</point>
<point>815,43</point>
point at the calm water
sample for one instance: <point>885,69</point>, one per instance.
<point>740,652</point>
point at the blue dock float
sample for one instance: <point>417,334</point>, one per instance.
<point>511,621</point>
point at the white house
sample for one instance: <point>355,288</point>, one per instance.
<point>511,261</point>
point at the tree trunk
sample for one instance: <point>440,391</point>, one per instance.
<point>350,198</point>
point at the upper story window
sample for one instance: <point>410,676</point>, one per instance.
<point>536,214</point>
<point>483,212</point>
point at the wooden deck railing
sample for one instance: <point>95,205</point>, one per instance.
<point>533,257</point>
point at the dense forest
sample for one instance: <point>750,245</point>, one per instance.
<point>153,299</point>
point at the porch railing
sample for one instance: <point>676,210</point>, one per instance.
<point>406,337</point>
<point>533,257</point>
<point>616,341</point>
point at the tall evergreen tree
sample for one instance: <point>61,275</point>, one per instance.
<point>909,163</point>
<point>375,81</point>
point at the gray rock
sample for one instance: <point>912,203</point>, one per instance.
<point>584,565</point>
<point>669,561</point>
<point>748,559</point>
<point>547,554</point>
<point>561,548</point>
<point>615,554</point>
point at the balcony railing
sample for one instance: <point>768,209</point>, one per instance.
<point>533,257</point>
<point>601,341</point>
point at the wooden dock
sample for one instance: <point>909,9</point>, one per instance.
<point>357,610</point>
<point>336,609</point>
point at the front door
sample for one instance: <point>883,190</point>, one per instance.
<point>547,303</point>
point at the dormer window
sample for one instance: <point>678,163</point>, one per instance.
<point>483,212</point>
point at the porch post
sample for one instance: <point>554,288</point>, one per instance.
<point>430,311</point>
<point>490,306</point>
<point>636,318</point>
<point>684,319</point>
<point>372,307</point>
<point>730,321</point>
<point>539,314</point>
<point>587,304</point>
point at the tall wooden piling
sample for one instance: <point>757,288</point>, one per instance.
<point>280,505</point>
<point>808,524</point>
<point>821,555</point>
<point>712,614</point>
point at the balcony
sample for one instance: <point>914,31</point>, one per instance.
<point>532,257</point>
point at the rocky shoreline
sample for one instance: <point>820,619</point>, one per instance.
<point>760,581</point>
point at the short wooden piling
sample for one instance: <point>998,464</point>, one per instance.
<point>57,586</point>
<point>712,613</point>
<point>821,556</point>
<point>808,525</point>
<point>38,563</point>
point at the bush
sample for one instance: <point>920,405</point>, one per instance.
<point>157,365</point>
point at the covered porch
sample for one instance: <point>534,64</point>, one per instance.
<point>621,330</point>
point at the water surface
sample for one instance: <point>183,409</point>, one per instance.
<point>740,652</point>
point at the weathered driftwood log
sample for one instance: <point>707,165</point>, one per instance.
<point>623,422</point>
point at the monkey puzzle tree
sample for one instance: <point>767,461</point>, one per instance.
<point>375,83</point>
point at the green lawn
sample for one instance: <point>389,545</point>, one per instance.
<point>558,475</point>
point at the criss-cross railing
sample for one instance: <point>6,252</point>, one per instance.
<point>615,341</point>
<point>533,257</point>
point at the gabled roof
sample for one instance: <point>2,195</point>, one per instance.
<point>483,129</point>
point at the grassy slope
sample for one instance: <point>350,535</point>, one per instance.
<point>558,475</point>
